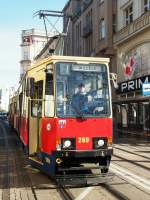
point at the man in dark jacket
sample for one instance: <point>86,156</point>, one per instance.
<point>79,100</point>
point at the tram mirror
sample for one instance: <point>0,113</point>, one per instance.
<point>113,77</point>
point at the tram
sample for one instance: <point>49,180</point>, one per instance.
<point>62,112</point>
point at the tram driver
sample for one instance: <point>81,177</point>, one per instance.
<point>86,101</point>
<point>79,100</point>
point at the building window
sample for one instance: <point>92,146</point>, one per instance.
<point>146,5</point>
<point>102,29</point>
<point>128,14</point>
<point>114,25</point>
<point>26,55</point>
<point>78,39</point>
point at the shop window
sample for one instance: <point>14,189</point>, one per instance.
<point>124,116</point>
<point>146,116</point>
<point>132,115</point>
<point>140,114</point>
<point>128,13</point>
<point>119,116</point>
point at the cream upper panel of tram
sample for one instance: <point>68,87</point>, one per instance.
<point>53,59</point>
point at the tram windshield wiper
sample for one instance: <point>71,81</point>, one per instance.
<point>80,115</point>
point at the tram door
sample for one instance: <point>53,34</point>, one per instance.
<point>35,118</point>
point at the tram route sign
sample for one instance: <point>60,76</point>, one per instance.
<point>146,89</point>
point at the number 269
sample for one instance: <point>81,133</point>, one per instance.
<point>83,140</point>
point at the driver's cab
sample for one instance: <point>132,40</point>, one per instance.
<point>94,77</point>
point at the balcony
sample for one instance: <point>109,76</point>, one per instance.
<point>138,25</point>
<point>87,30</point>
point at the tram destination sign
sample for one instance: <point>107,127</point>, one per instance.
<point>132,85</point>
<point>89,68</point>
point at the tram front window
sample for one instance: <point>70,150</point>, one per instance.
<point>82,90</point>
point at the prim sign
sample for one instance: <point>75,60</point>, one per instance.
<point>132,85</point>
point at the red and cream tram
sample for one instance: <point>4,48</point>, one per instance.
<point>63,113</point>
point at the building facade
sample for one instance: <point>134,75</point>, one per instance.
<point>132,43</point>
<point>32,43</point>
<point>90,25</point>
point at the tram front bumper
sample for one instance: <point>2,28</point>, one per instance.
<point>84,154</point>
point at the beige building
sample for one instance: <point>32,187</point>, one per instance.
<point>132,42</point>
<point>90,28</point>
<point>32,43</point>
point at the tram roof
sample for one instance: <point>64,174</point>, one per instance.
<point>70,59</point>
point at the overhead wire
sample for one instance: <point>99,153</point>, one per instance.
<point>45,27</point>
<point>55,23</point>
<point>52,25</point>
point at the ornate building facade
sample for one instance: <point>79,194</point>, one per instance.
<point>132,42</point>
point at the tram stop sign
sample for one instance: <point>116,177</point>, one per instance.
<point>146,89</point>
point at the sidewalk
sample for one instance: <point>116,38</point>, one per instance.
<point>145,134</point>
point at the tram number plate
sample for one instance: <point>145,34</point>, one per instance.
<point>83,140</point>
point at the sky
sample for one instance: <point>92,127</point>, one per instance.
<point>15,16</point>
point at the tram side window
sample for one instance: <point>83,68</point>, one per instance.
<point>36,102</point>
<point>49,90</point>
<point>15,108</point>
<point>49,96</point>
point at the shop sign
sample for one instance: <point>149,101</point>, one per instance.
<point>132,85</point>
<point>146,89</point>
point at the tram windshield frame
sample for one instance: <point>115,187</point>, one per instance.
<point>82,90</point>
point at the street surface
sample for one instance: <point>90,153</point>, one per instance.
<point>130,166</point>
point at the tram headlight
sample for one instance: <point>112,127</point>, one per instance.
<point>99,143</point>
<point>68,143</point>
